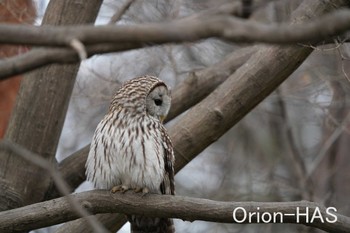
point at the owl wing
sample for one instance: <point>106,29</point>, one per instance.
<point>168,184</point>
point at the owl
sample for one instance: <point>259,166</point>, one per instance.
<point>131,148</point>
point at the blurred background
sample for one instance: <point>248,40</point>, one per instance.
<point>293,146</point>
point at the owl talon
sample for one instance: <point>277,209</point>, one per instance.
<point>143,190</point>
<point>121,188</point>
<point>137,190</point>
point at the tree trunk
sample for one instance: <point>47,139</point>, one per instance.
<point>47,91</point>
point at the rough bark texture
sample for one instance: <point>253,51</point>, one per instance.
<point>40,112</point>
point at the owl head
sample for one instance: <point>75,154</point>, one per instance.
<point>144,95</point>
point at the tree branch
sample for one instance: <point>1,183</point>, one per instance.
<point>200,83</point>
<point>294,156</point>
<point>118,14</point>
<point>183,30</point>
<point>44,56</point>
<point>104,39</point>
<point>190,209</point>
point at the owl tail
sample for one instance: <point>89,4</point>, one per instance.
<point>143,224</point>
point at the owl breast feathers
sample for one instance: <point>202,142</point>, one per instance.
<point>131,147</point>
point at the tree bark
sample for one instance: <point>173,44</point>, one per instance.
<point>39,113</point>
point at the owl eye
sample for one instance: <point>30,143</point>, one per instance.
<point>158,102</point>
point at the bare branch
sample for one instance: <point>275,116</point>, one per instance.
<point>199,84</point>
<point>327,145</point>
<point>79,48</point>
<point>153,205</point>
<point>200,26</point>
<point>44,56</point>
<point>118,15</point>
<point>294,155</point>
<point>183,30</point>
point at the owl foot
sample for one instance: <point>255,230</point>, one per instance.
<point>121,188</point>
<point>144,190</point>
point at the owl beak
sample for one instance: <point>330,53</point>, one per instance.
<point>162,118</point>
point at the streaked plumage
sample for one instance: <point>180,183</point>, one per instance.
<point>131,147</point>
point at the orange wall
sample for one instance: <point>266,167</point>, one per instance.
<point>12,11</point>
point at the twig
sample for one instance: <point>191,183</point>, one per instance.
<point>327,144</point>
<point>343,58</point>
<point>79,48</point>
<point>295,156</point>
<point>57,178</point>
<point>118,15</point>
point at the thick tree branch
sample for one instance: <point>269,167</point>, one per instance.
<point>190,209</point>
<point>183,30</point>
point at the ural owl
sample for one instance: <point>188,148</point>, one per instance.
<point>131,149</point>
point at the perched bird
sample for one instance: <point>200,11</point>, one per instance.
<point>131,148</point>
